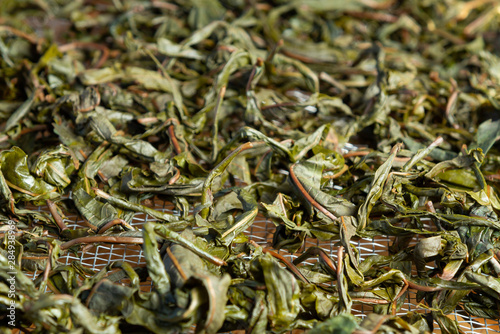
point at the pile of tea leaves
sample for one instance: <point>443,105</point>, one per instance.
<point>336,120</point>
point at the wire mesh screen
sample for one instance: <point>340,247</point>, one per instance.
<point>96,257</point>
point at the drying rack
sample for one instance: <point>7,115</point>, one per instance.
<point>96,257</point>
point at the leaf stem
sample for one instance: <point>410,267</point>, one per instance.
<point>57,217</point>
<point>102,238</point>
<point>218,170</point>
<point>308,197</point>
<point>280,257</point>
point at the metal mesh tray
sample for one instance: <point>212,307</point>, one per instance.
<point>98,256</point>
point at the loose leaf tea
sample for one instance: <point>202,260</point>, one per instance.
<point>334,120</point>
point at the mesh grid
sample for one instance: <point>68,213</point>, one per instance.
<point>96,257</point>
